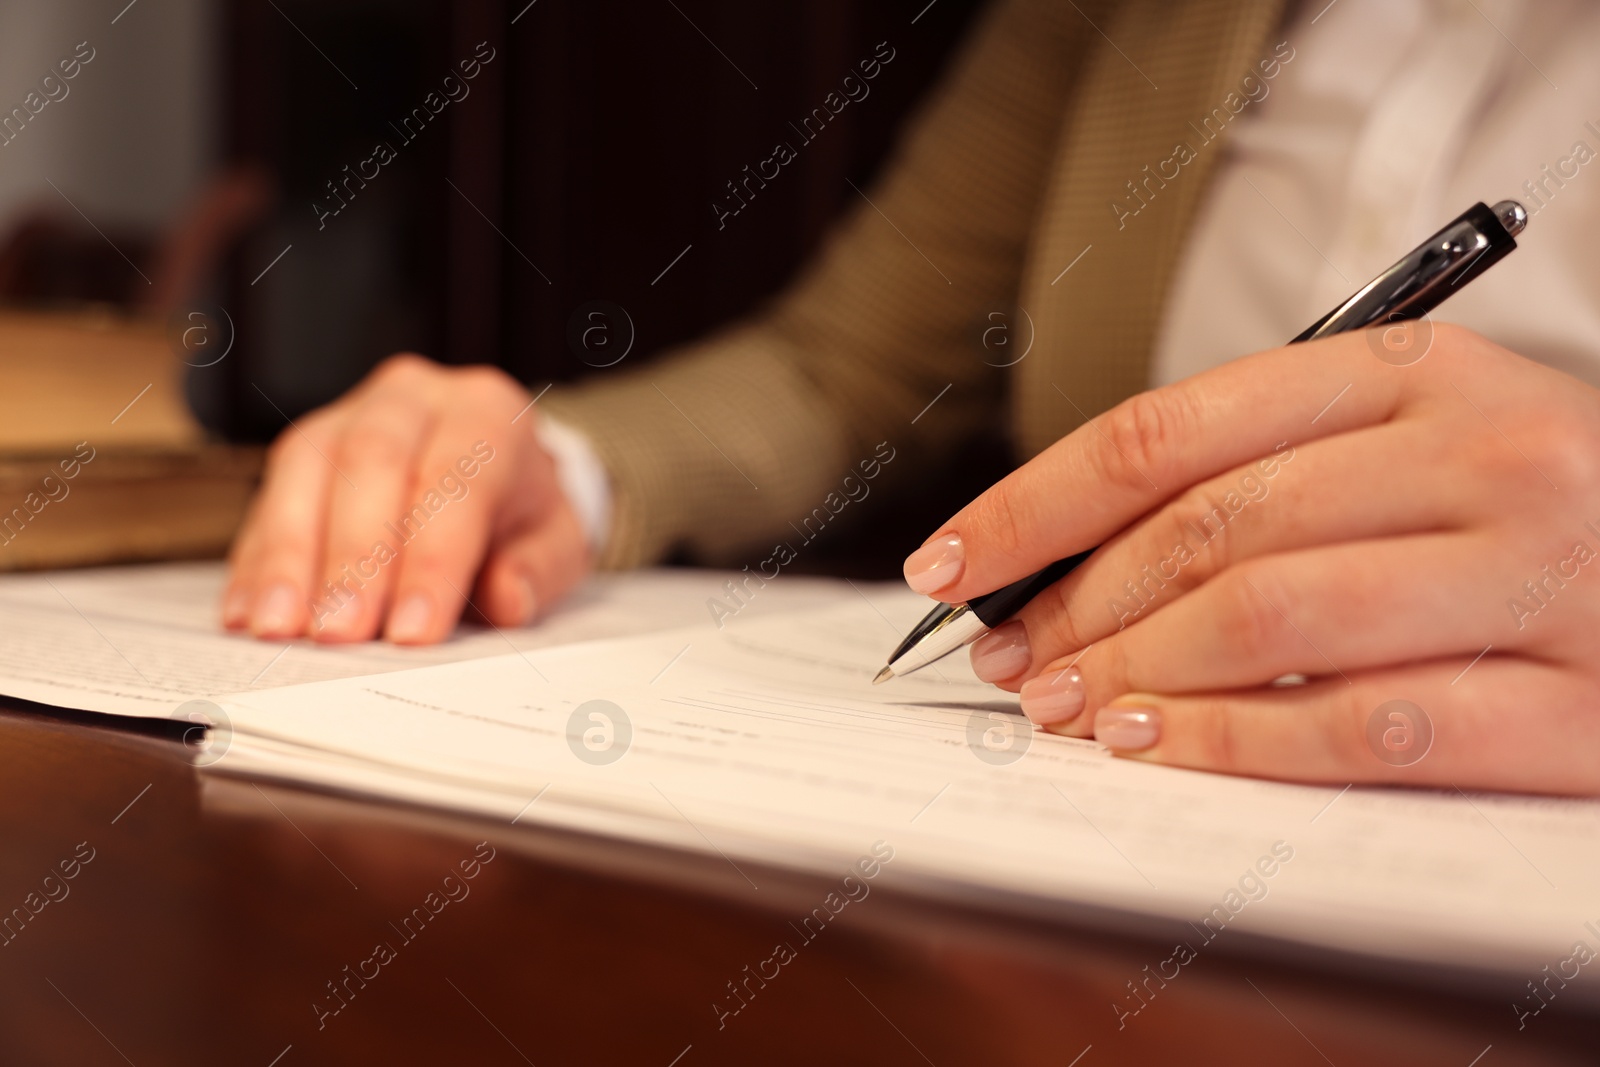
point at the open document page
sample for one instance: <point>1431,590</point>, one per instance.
<point>763,741</point>
<point>145,640</point>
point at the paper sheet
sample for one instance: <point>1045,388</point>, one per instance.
<point>144,640</point>
<point>764,740</point>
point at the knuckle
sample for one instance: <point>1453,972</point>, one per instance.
<point>1068,630</point>
<point>1484,452</point>
<point>482,376</point>
<point>1216,737</point>
<point>1196,521</point>
<point>1251,620</point>
<point>312,431</point>
<point>1455,338</point>
<point>994,521</point>
<point>1110,665</point>
<point>1452,350</point>
<point>1565,446</point>
<point>1142,433</point>
<point>403,368</point>
<point>1341,734</point>
<point>370,443</point>
<point>489,388</point>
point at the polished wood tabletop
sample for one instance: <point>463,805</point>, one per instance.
<point>153,915</point>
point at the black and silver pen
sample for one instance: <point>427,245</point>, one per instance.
<point>1418,283</point>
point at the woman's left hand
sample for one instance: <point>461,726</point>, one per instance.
<point>1422,542</point>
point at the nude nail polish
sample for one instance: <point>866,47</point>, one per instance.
<point>410,620</point>
<point>936,564</point>
<point>277,612</point>
<point>1053,697</point>
<point>339,623</point>
<point>1128,728</point>
<point>1002,653</point>
<point>236,607</point>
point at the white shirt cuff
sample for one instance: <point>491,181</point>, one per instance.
<point>582,477</point>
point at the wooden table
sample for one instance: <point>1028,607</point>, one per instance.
<point>214,913</point>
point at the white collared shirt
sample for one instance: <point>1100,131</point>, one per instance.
<point>1393,117</point>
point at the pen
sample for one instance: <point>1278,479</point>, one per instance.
<point>1419,282</point>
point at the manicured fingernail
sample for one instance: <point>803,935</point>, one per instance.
<point>1129,727</point>
<point>341,621</point>
<point>525,601</point>
<point>236,607</point>
<point>277,612</point>
<point>1002,653</point>
<point>936,564</point>
<point>410,620</point>
<point>1053,697</point>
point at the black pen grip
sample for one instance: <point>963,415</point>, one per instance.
<point>996,607</point>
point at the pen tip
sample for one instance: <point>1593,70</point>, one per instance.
<point>882,676</point>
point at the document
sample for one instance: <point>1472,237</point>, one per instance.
<point>144,640</point>
<point>738,721</point>
<point>762,740</point>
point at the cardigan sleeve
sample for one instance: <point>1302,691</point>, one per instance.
<point>721,444</point>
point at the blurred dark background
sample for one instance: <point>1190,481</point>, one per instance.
<point>577,165</point>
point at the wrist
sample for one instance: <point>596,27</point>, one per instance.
<point>582,477</point>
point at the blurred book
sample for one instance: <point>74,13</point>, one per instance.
<point>100,459</point>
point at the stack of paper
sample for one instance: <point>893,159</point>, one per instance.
<point>142,641</point>
<point>761,739</point>
<point>764,740</point>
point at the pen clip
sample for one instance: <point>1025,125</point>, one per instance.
<point>1427,275</point>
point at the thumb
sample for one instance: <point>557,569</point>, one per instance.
<point>529,571</point>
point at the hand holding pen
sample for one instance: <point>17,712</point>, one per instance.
<point>1382,530</point>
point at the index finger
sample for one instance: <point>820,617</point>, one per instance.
<point>1147,450</point>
